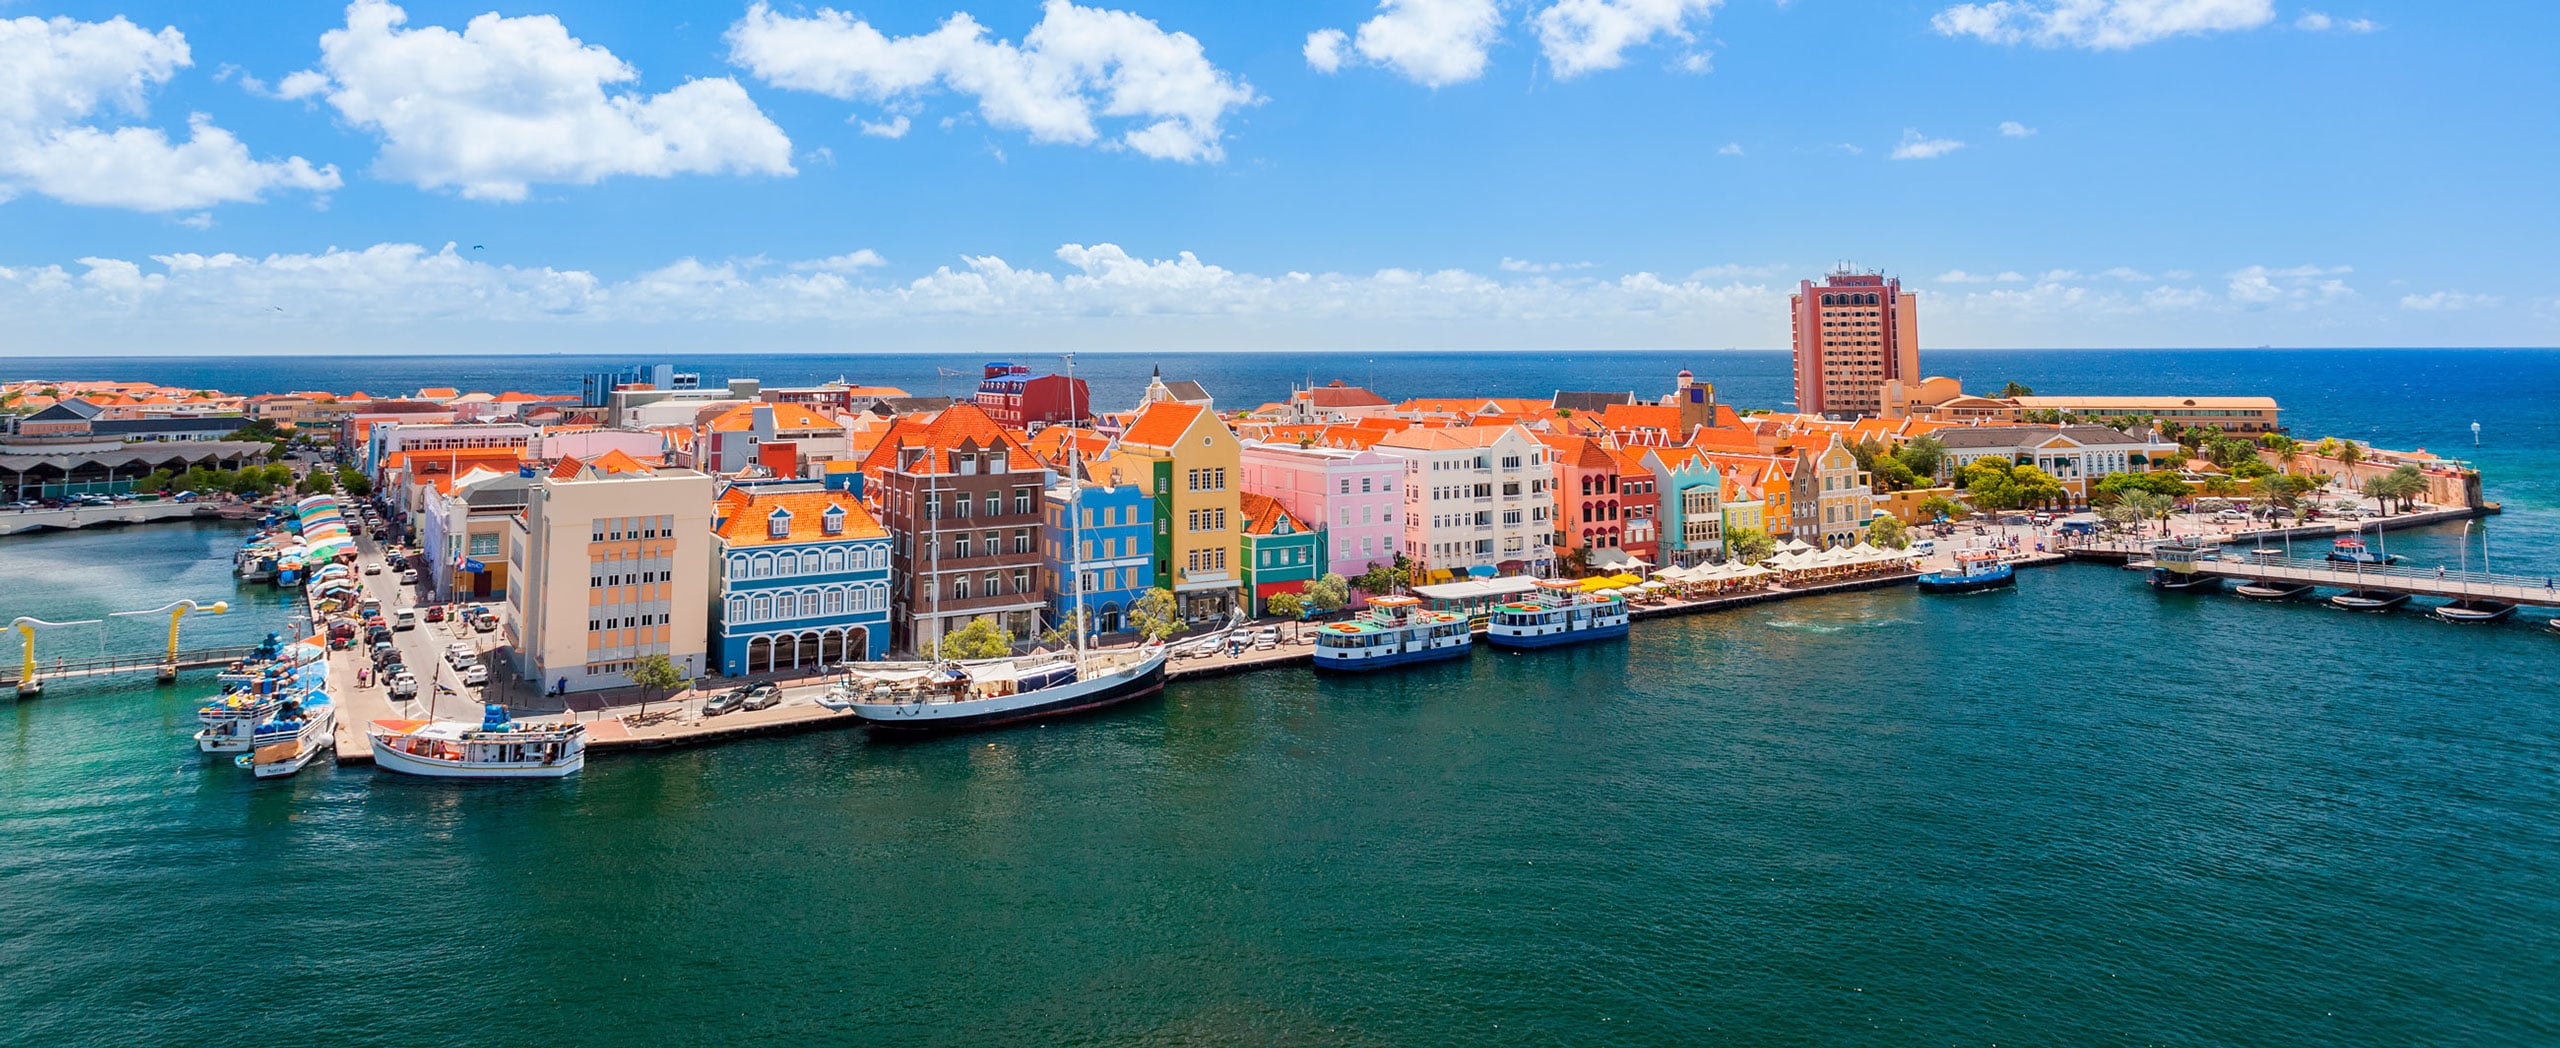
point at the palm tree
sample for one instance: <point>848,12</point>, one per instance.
<point>2143,506</point>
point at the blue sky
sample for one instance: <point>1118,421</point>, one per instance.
<point>1151,174</point>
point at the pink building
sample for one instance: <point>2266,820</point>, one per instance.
<point>1350,495</point>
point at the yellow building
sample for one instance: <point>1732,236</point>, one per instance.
<point>1191,462</point>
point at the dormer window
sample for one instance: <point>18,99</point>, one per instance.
<point>778,524</point>
<point>833,522</point>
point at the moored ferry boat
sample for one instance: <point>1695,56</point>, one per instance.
<point>1396,630</point>
<point>1557,612</point>
<point>254,689</point>
<point>955,696</point>
<point>495,748</point>
<point>1975,570</point>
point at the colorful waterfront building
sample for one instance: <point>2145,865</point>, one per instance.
<point>1857,344</point>
<point>1348,495</point>
<point>963,501</point>
<point>1191,463</point>
<point>803,579</point>
<point>1833,498</point>
<point>1010,394</point>
<point>1477,499</point>
<point>1281,553</point>
<point>1690,500</point>
<point>1639,506</point>
<point>1115,526</point>
<point>1589,520</point>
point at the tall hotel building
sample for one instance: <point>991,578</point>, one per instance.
<point>1857,342</point>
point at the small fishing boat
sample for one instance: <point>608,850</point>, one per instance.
<point>1396,630</point>
<point>2273,590</point>
<point>2469,611</point>
<point>2368,600</point>
<point>2351,550</point>
<point>300,730</point>
<point>495,748</point>
<point>1559,611</point>
<point>1975,570</point>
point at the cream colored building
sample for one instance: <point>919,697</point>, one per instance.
<point>611,561</point>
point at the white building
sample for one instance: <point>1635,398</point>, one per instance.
<point>1474,496</point>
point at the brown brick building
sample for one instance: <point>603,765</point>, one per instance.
<point>961,497</point>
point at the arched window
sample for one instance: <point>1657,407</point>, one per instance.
<point>836,559</point>
<point>811,562</point>
<point>738,609</point>
<point>835,601</point>
<point>764,609</point>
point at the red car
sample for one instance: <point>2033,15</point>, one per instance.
<point>435,613</point>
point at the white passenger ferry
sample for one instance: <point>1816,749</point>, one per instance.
<point>1394,631</point>
<point>1559,611</point>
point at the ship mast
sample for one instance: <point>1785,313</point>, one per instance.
<point>1075,516</point>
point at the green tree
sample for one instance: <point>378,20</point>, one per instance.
<point>1937,506</point>
<point>657,679</point>
<point>354,480</point>
<point>2350,453</point>
<point>2015,389</point>
<point>981,638</point>
<point>2405,483</point>
<point>1061,634</point>
<point>1155,615</point>
<point>1748,545</point>
<point>1922,455</point>
<point>1328,593</point>
<point>1386,578</point>
<point>2035,487</point>
<point>1289,606</point>
<point>2218,486</point>
<point>1888,533</point>
<point>2280,490</point>
<point>2144,506</point>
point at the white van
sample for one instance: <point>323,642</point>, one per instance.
<point>404,619</point>
<point>1923,547</point>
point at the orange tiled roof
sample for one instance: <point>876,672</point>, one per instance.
<point>785,416</point>
<point>743,513</point>
<point>438,392</point>
<point>1262,514</point>
<point>952,427</point>
<point>1160,424</point>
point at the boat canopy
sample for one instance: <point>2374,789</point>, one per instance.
<point>1507,586</point>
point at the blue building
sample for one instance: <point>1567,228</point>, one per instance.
<point>1117,529</point>
<point>802,579</point>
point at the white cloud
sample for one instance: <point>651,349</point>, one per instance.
<point>2292,285</point>
<point>57,75</point>
<point>2014,129</point>
<point>1078,64</point>
<point>2099,25</point>
<point>853,262</point>
<point>509,102</point>
<point>1515,265</point>
<point>1434,43</point>
<point>1585,36</point>
<point>1850,148</point>
<point>398,287</point>
<point>1324,49</point>
<point>1730,149</point>
<point>2057,275</point>
<point>2315,22</point>
<point>1958,276</point>
<point>2448,301</point>
<point>1916,146</point>
<point>2127,273</point>
<point>896,128</point>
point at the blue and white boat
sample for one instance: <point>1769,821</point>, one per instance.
<point>1559,611</point>
<point>1976,569</point>
<point>1395,631</point>
<point>2351,550</point>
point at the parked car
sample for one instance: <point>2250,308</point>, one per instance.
<point>485,624</point>
<point>404,686</point>
<point>762,694</point>
<point>408,576</point>
<point>404,619</point>
<point>435,613</point>
<point>1268,637</point>
<point>384,651</point>
<point>475,674</point>
<point>373,569</point>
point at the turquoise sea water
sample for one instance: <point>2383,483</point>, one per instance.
<point>2074,813</point>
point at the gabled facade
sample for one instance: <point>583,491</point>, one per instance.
<point>964,502</point>
<point>1834,498</point>
<point>1689,494</point>
<point>1281,553</point>
<point>1191,463</point>
<point>802,579</point>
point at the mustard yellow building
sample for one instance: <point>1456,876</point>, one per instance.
<point>1191,459</point>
